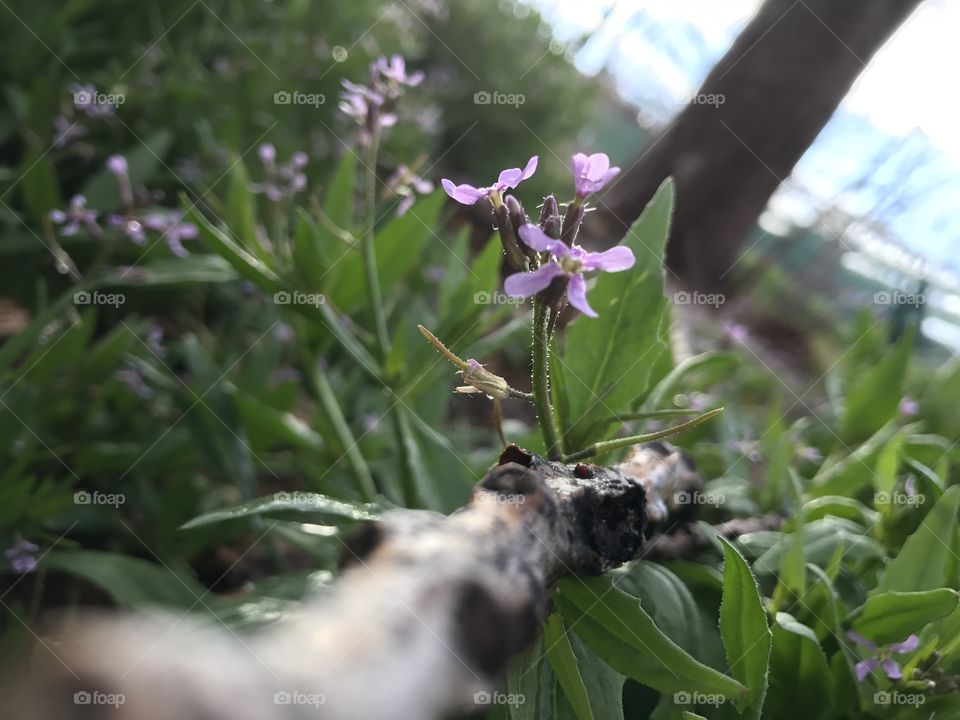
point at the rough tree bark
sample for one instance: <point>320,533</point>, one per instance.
<point>781,80</point>
<point>428,611</point>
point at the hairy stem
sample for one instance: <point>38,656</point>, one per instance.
<point>542,323</point>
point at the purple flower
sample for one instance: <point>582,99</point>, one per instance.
<point>170,224</point>
<point>591,173</point>
<point>910,487</point>
<point>881,656</point>
<point>89,101</point>
<point>396,70</point>
<point>908,407</point>
<point>22,557</point>
<point>282,181</point>
<point>133,379</point>
<point>66,131</point>
<point>154,341</point>
<point>509,179</point>
<point>569,262</point>
<point>117,164</point>
<point>75,217</point>
<point>405,184</point>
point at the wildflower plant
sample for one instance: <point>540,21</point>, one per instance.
<point>332,284</point>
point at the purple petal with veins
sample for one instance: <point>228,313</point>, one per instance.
<point>525,284</point>
<point>466,194</point>
<point>612,260</point>
<point>537,239</point>
<point>577,295</point>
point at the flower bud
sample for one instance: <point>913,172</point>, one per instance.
<point>571,223</point>
<point>508,238</point>
<point>550,217</point>
<point>484,381</point>
<point>518,218</point>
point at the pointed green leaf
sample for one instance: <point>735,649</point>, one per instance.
<point>743,626</point>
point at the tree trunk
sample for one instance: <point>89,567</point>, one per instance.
<point>775,88</point>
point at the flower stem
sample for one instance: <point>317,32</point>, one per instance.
<point>606,446</point>
<point>542,323</point>
<point>374,293</point>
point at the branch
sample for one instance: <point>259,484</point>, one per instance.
<point>428,611</point>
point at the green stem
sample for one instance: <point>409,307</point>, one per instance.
<point>599,448</point>
<point>374,293</point>
<point>542,323</point>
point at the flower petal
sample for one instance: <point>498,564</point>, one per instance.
<point>525,284</point>
<point>599,164</point>
<point>608,176</point>
<point>613,260</point>
<point>466,194</point>
<point>580,164</point>
<point>908,645</point>
<point>531,167</point>
<point>864,668</point>
<point>892,670</point>
<point>541,242</point>
<point>577,295</point>
<point>509,178</point>
<point>861,640</point>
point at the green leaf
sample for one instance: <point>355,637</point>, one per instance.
<point>309,252</point>
<point>801,685</point>
<point>606,361</point>
<point>399,246</point>
<point>892,616</point>
<point>564,664</point>
<point>300,502</point>
<point>249,266</point>
<point>132,582</point>
<point>614,626</point>
<point>241,209</point>
<point>743,626</point>
<point>928,558</point>
<point>191,269</point>
<point>874,395</point>
<point>666,598</point>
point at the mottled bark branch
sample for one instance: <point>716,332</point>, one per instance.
<point>428,611</point>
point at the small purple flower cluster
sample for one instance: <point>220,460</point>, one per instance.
<point>282,181</point>
<point>372,106</point>
<point>134,222</point>
<point>22,556</point>
<point>551,246</point>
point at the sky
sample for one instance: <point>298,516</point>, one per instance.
<point>904,108</point>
